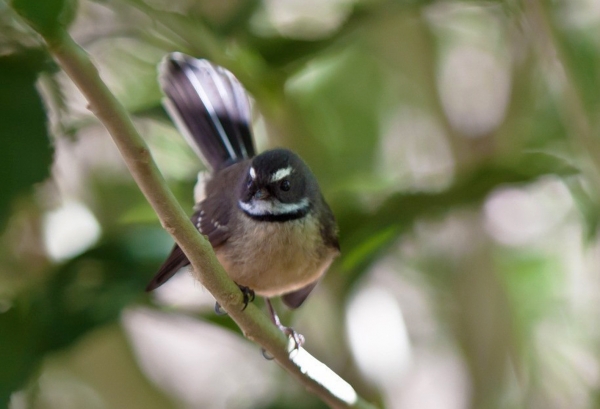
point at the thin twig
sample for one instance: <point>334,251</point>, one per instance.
<point>255,325</point>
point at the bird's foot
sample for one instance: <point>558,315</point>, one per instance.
<point>297,338</point>
<point>294,335</point>
<point>248,295</point>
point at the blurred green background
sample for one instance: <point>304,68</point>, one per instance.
<point>456,141</point>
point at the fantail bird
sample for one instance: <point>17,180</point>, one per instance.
<point>264,215</point>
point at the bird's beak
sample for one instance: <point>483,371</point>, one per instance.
<point>261,194</point>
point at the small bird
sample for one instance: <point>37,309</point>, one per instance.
<point>264,214</point>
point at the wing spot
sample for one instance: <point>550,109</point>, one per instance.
<point>199,222</point>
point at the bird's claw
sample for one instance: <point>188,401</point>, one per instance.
<point>219,310</point>
<point>248,295</point>
<point>294,335</point>
<point>267,355</point>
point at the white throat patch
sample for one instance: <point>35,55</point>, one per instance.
<point>281,173</point>
<point>272,207</point>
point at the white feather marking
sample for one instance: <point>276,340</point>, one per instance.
<point>199,223</point>
<point>272,207</point>
<point>252,173</point>
<point>281,173</point>
<point>206,100</point>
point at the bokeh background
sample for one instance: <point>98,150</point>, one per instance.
<point>456,141</point>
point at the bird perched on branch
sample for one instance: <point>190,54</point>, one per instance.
<point>264,214</point>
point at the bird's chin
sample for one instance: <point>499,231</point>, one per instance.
<point>260,207</point>
<point>273,207</point>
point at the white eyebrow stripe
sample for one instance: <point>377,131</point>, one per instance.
<point>252,173</point>
<point>281,173</point>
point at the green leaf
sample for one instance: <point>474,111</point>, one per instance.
<point>25,150</point>
<point>47,17</point>
<point>16,358</point>
<point>582,56</point>
<point>368,247</point>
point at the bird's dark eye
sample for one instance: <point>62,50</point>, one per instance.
<point>285,185</point>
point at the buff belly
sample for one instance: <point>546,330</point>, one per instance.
<point>276,258</point>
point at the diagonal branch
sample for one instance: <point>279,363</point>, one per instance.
<point>314,375</point>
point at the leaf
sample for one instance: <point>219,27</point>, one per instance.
<point>16,344</point>
<point>368,247</point>
<point>583,58</point>
<point>25,150</point>
<point>46,17</point>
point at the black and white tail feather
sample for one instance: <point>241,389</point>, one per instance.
<point>209,107</point>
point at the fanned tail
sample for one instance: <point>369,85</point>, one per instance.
<point>210,108</point>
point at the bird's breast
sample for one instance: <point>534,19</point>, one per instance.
<point>275,258</point>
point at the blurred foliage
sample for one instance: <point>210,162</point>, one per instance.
<point>23,128</point>
<point>88,291</point>
<point>47,17</point>
<point>457,142</point>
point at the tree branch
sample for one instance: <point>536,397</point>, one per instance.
<point>255,325</point>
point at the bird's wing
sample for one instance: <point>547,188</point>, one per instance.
<point>211,219</point>
<point>296,298</point>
